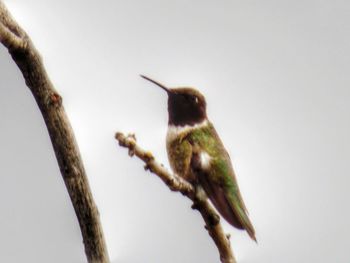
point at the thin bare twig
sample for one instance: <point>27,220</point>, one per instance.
<point>177,184</point>
<point>61,134</point>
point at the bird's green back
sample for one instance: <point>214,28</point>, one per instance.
<point>219,177</point>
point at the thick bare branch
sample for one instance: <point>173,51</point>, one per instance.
<point>61,134</point>
<point>177,184</point>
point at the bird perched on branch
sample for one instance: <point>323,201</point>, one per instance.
<point>197,154</point>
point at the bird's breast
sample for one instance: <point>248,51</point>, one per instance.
<point>179,148</point>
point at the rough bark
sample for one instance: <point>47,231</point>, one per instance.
<point>61,134</point>
<point>177,184</point>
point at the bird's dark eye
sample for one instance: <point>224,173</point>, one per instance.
<point>193,98</point>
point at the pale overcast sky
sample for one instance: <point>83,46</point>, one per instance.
<point>276,77</point>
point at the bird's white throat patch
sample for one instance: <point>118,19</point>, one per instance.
<point>175,131</point>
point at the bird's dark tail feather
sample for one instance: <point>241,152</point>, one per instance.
<point>229,210</point>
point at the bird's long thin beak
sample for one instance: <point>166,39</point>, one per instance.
<point>157,83</point>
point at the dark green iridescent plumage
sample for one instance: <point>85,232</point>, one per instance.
<point>218,180</point>
<point>197,154</point>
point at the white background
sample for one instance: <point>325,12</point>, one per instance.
<point>276,78</point>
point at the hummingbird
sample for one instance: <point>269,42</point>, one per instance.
<point>196,154</point>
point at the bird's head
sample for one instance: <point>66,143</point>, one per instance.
<point>186,106</point>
